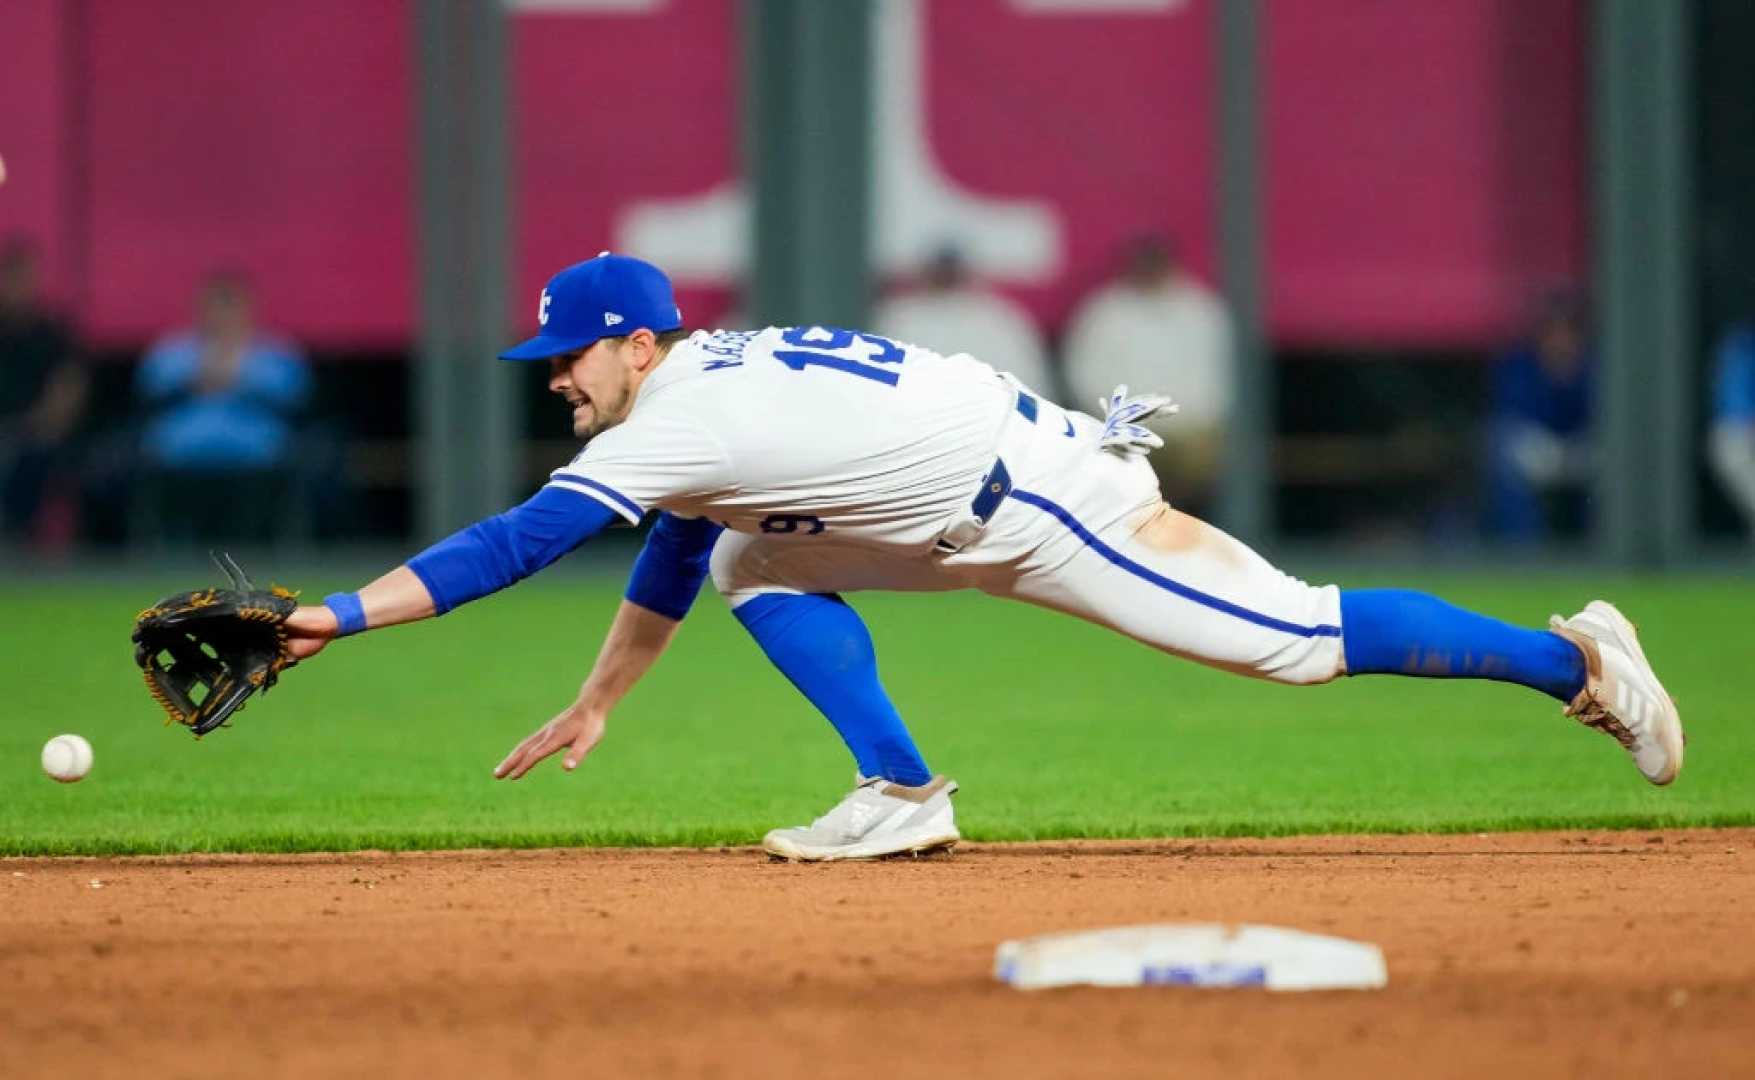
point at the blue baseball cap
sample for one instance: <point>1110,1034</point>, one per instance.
<point>603,297</point>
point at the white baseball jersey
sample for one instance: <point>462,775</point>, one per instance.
<point>804,430</point>
<point>839,459</point>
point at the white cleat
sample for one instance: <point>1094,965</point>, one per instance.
<point>876,819</point>
<point>1622,696</point>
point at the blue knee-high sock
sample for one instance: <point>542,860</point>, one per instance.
<point>1402,632</point>
<point>822,645</point>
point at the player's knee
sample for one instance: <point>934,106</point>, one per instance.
<point>733,573</point>
<point>1310,673</point>
<point>723,566</point>
<point>1315,654</point>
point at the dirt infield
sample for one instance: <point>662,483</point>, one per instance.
<point>1564,954</point>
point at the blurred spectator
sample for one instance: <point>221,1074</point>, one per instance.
<point>1539,430</point>
<point>221,404</point>
<point>1157,329</point>
<point>42,394</point>
<point>1731,443</point>
<point>951,313</point>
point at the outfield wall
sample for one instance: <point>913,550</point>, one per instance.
<point>1425,161</point>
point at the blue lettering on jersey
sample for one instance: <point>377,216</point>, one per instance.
<point>726,346</point>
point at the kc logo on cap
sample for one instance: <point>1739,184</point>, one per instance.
<point>598,298</point>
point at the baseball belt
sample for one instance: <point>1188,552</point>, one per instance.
<point>995,486</point>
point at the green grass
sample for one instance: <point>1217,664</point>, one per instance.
<point>1055,729</point>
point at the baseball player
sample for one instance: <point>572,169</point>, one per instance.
<point>795,464</point>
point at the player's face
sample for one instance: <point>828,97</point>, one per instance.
<point>597,384</point>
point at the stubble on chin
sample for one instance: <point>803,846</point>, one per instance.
<point>600,421</point>
<point>591,428</point>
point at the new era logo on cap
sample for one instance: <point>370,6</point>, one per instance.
<point>608,295</point>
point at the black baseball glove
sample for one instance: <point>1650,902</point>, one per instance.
<point>205,652</point>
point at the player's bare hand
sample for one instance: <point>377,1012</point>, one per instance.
<point>575,730</point>
<point>308,629</point>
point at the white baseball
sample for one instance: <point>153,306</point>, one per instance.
<point>67,758</point>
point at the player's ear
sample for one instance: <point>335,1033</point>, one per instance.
<point>642,346</point>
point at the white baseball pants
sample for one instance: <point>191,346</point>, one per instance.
<point>1085,532</point>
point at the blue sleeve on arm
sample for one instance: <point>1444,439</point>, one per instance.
<point>672,565</point>
<point>508,547</point>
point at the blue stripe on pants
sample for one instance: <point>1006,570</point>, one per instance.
<point>1150,576</point>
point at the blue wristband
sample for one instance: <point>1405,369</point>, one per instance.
<point>350,614</point>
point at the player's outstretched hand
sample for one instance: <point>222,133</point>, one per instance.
<point>576,730</point>
<point>308,629</point>
<point>1121,414</point>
